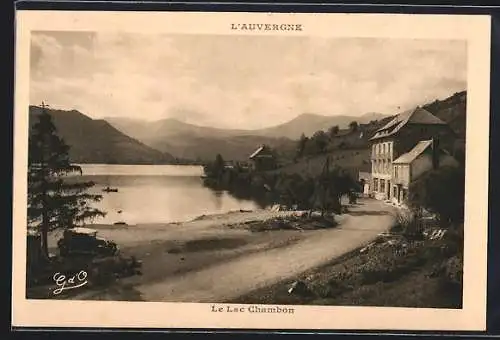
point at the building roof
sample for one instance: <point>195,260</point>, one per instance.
<point>259,151</point>
<point>411,155</point>
<point>256,152</point>
<point>417,115</point>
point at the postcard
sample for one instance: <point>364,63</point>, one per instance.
<point>250,170</point>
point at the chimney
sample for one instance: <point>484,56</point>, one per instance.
<point>435,153</point>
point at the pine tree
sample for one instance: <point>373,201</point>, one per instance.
<point>333,131</point>
<point>219,165</point>
<point>353,126</point>
<point>320,139</point>
<point>330,186</point>
<point>301,147</point>
<point>53,201</point>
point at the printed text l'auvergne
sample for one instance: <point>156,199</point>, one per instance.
<point>266,27</point>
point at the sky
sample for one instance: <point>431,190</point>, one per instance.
<point>247,82</point>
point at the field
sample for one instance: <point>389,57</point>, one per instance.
<point>352,160</point>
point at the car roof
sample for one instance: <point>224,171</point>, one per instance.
<point>80,230</point>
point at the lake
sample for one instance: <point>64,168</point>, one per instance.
<point>156,193</point>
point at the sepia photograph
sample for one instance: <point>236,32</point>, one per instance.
<point>252,172</point>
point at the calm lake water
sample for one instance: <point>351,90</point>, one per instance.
<point>156,193</point>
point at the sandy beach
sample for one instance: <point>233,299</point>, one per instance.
<point>217,258</point>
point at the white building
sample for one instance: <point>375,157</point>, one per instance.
<point>398,137</point>
<point>408,167</point>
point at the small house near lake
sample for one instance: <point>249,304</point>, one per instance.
<point>408,167</point>
<point>263,159</point>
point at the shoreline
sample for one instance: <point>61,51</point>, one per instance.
<point>207,216</point>
<point>132,235</point>
<point>222,257</point>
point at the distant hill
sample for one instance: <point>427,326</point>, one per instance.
<point>152,131</point>
<point>237,148</point>
<point>452,111</point>
<point>308,124</point>
<point>199,142</point>
<point>96,141</point>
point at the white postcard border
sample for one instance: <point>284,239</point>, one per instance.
<point>474,29</point>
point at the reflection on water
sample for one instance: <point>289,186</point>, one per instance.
<point>156,193</point>
<point>218,197</point>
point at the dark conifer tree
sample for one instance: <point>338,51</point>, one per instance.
<point>302,143</point>
<point>54,202</point>
<point>333,131</point>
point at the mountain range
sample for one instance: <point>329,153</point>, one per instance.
<point>96,141</point>
<point>190,141</point>
<point>167,141</point>
<point>306,124</point>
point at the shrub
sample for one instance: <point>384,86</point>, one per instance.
<point>450,274</point>
<point>453,270</point>
<point>106,270</point>
<point>454,239</point>
<point>409,224</point>
<point>441,191</point>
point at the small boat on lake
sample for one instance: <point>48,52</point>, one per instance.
<point>108,189</point>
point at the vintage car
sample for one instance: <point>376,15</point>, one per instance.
<point>84,241</point>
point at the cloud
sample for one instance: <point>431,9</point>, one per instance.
<point>239,81</point>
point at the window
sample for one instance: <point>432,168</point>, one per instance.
<point>382,185</point>
<point>395,192</point>
<point>375,184</point>
<point>396,171</point>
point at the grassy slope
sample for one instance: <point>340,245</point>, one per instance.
<point>231,148</point>
<point>353,160</point>
<point>452,110</point>
<point>350,151</point>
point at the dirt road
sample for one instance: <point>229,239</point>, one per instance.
<point>239,275</point>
